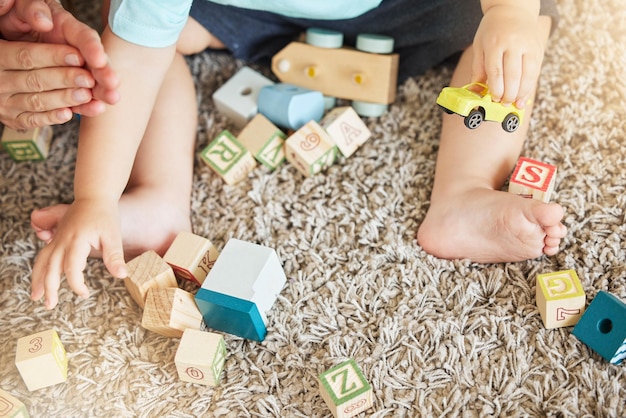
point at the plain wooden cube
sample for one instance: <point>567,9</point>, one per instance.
<point>41,360</point>
<point>240,289</point>
<point>346,128</point>
<point>11,407</point>
<point>345,390</point>
<point>264,140</point>
<point>191,257</point>
<point>238,97</point>
<point>228,158</point>
<point>533,179</point>
<point>200,357</point>
<point>27,144</point>
<point>310,149</point>
<point>169,312</point>
<point>146,271</point>
<point>603,327</point>
<point>560,298</point>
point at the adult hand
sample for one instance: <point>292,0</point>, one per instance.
<point>52,65</point>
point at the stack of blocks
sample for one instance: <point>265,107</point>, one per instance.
<point>41,360</point>
<point>11,407</point>
<point>234,298</point>
<point>312,147</point>
<point>27,144</point>
<point>345,390</point>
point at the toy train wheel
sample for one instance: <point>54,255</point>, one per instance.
<point>511,122</point>
<point>474,119</point>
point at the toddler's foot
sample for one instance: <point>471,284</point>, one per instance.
<point>148,222</point>
<point>488,226</point>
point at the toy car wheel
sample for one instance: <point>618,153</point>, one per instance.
<point>474,119</point>
<point>511,122</point>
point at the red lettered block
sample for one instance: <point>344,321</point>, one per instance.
<point>533,179</point>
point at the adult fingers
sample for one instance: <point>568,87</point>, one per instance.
<point>45,79</point>
<point>29,55</point>
<point>25,111</point>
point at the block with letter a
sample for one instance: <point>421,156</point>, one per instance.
<point>533,179</point>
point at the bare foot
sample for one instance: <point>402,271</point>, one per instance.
<point>148,222</point>
<point>488,226</point>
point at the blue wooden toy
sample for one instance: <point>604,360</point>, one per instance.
<point>603,327</point>
<point>290,106</point>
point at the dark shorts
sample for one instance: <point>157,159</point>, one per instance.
<point>425,32</point>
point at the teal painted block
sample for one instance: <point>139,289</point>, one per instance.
<point>231,315</point>
<point>603,327</point>
<point>290,106</point>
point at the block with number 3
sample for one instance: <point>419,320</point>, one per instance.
<point>41,360</point>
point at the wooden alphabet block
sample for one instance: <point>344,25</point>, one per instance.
<point>146,271</point>
<point>170,311</point>
<point>228,158</point>
<point>264,140</point>
<point>533,179</point>
<point>346,128</point>
<point>191,257</point>
<point>310,149</point>
<point>345,390</point>
<point>603,327</point>
<point>560,298</point>
<point>236,295</point>
<point>238,97</point>
<point>11,407</point>
<point>41,360</point>
<point>290,106</point>
<point>27,144</point>
<point>200,357</point>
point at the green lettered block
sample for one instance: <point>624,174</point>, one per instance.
<point>345,390</point>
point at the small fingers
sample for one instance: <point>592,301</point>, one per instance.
<point>113,256</point>
<point>512,66</point>
<point>75,263</point>
<point>46,278</point>
<point>37,14</point>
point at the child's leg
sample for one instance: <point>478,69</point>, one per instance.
<point>156,203</point>
<point>469,217</point>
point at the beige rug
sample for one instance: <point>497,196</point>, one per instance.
<point>433,337</point>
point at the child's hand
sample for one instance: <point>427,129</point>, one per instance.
<point>87,225</point>
<point>508,51</point>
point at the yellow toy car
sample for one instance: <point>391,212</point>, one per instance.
<point>473,102</point>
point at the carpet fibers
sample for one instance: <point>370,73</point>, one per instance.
<point>433,337</point>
